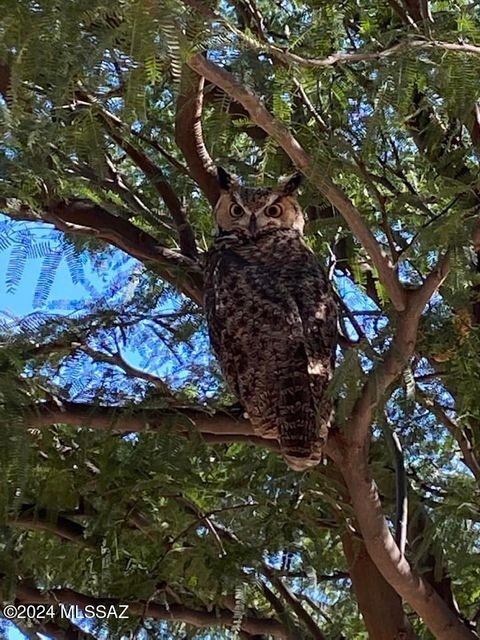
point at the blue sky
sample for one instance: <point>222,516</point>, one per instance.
<point>20,303</point>
<point>11,631</point>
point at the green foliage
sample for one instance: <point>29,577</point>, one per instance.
<point>165,516</point>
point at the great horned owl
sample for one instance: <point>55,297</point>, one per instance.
<point>272,317</point>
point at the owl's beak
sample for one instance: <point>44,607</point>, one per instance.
<point>252,225</point>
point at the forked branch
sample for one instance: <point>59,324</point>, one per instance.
<point>153,172</point>
<point>413,12</point>
<point>422,597</point>
<point>389,559</point>
<point>397,356</point>
<point>263,118</point>
<point>295,604</point>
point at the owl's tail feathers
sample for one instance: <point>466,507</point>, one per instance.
<point>301,458</point>
<point>302,448</point>
<point>304,411</point>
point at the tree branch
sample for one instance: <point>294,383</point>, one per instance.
<point>32,518</point>
<point>117,360</point>
<point>388,558</point>
<point>271,445</point>
<point>367,56</point>
<point>262,117</point>
<point>189,135</point>
<point>469,457</point>
<point>71,531</point>
<point>402,348</point>
<point>418,11</point>
<point>288,57</point>
<point>28,593</point>
<point>4,79</point>
<point>380,605</point>
<point>215,428</point>
<point>295,604</point>
<point>279,608</point>
<point>433,567</point>
<point>154,173</point>
<point>440,619</point>
<point>401,522</point>
<point>86,218</point>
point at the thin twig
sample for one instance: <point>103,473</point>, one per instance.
<point>289,58</point>
<point>118,360</point>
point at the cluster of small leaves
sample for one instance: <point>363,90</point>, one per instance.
<point>398,135</point>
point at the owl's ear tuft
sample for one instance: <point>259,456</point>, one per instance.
<point>227,181</point>
<point>290,184</point>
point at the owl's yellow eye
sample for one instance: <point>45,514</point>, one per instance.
<point>274,211</point>
<point>236,211</point>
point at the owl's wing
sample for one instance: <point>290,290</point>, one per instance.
<point>218,299</point>
<point>317,314</point>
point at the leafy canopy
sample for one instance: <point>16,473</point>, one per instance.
<point>124,470</point>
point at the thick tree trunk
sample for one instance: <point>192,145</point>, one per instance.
<point>380,605</point>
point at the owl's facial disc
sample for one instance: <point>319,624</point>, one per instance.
<point>251,210</point>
